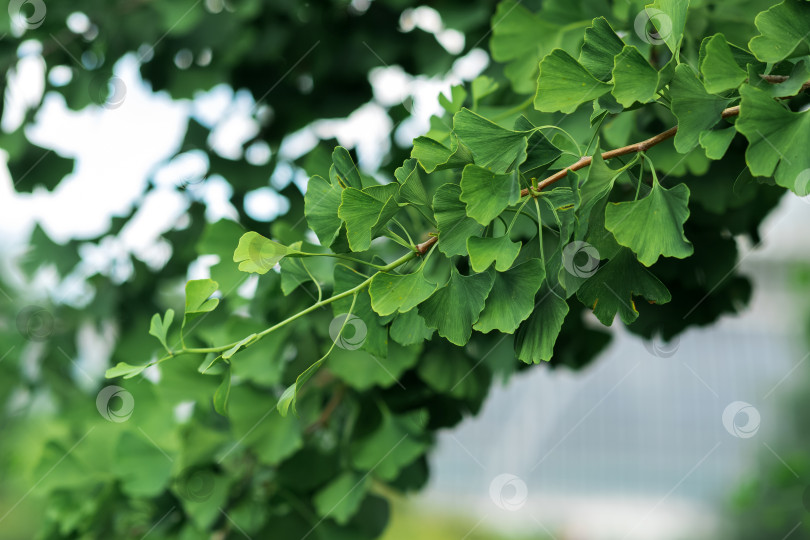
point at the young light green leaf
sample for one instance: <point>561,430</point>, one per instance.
<point>482,86</point>
<point>257,254</point>
<point>290,395</point>
<point>159,328</point>
<point>634,79</point>
<point>493,147</point>
<point>600,47</point>
<point>487,194</point>
<point>391,293</point>
<point>669,18</point>
<point>511,299</point>
<point>453,223</point>
<point>122,369</point>
<point>652,226</point>
<point>695,108</point>
<point>484,251</point>
<point>457,96</point>
<point>783,31</point>
<point>719,68</point>
<point>454,308</point>
<point>238,347</point>
<point>612,288</point>
<point>777,139</point>
<point>198,296</point>
<point>321,203</point>
<point>535,338</point>
<point>563,84</point>
<point>222,394</point>
<point>365,216</point>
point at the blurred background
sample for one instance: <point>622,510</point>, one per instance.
<point>700,437</point>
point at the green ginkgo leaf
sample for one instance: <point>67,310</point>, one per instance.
<point>394,444</point>
<point>694,107</point>
<point>456,100</point>
<point>493,147</point>
<point>399,292</point>
<point>612,288</point>
<point>777,139</point>
<point>535,338</point>
<point>652,226</point>
<point>409,328</point>
<point>600,47</point>
<point>511,299</point>
<point>238,346</point>
<point>122,369</point>
<point>365,215</point>
<point>484,251</point>
<point>453,309</point>
<point>540,150</point>
<point>257,254</point>
<point>563,84</point>
<point>717,141</point>
<point>454,225</point>
<point>321,203</point>
<point>159,328</point>
<point>521,38</point>
<point>799,75</point>
<point>412,190</point>
<point>487,194</point>
<point>719,67</point>
<point>434,156</point>
<point>669,18</point>
<point>482,86</point>
<point>783,31</point>
<point>340,499</point>
<point>222,394</point>
<point>634,79</point>
<point>345,169</point>
<point>198,298</point>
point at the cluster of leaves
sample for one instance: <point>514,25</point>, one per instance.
<point>496,254</point>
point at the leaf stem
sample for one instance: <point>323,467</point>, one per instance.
<point>205,350</point>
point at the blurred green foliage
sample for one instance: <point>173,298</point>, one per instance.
<point>85,458</point>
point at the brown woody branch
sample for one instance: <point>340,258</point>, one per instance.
<point>643,145</point>
<point>623,151</point>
